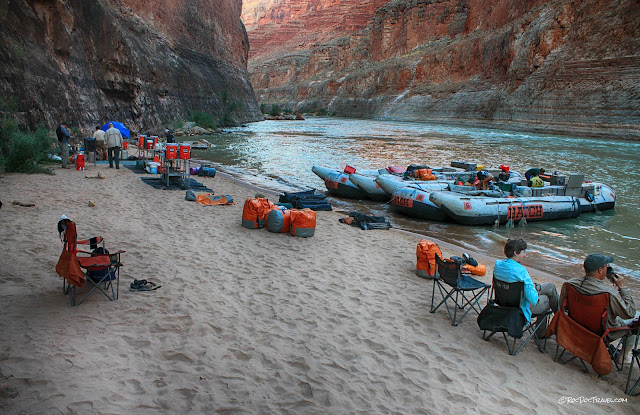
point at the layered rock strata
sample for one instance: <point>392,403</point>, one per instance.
<point>144,63</point>
<point>552,66</point>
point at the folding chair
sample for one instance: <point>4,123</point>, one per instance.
<point>90,147</point>
<point>634,362</point>
<point>102,269</point>
<point>581,329</point>
<point>455,286</point>
<point>504,315</point>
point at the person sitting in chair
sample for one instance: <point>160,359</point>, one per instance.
<point>537,298</point>
<point>622,309</point>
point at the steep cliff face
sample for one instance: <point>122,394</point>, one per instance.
<point>557,66</point>
<point>142,62</point>
<point>281,26</point>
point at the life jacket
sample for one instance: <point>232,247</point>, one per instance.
<point>211,200</point>
<point>426,252</point>
<point>303,222</point>
<point>477,270</point>
<point>254,212</point>
<point>537,182</point>
<point>279,220</point>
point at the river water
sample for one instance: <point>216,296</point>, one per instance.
<point>280,154</point>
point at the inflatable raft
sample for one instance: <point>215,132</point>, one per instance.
<point>338,183</point>
<point>414,201</point>
<point>482,210</point>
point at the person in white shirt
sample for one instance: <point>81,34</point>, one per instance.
<point>100,144</point>
<point>113,139</point>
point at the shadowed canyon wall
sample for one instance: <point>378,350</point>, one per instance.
<point>141,62</point>
<point>553,66</point>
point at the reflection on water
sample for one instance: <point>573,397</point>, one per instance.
<point>286,150</point>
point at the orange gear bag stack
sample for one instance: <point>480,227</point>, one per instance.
<point>303,222</point>
<point>426,252</point>
<point>255,212</point>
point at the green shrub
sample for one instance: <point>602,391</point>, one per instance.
<point>263,108</point>
<point>204,120</point>
<point>24,152</point>
<point>275,110</point>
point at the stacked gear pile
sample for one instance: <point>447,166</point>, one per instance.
<point>278,219</point>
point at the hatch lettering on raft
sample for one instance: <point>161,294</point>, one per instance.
<point>529,212</point>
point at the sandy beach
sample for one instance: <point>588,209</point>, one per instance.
<point>247,321</point>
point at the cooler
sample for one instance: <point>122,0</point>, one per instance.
<point>171,152</point>
<point>185,151</point>
<point>142,139</point>
<point>149,144</point>
<point>80,161</point>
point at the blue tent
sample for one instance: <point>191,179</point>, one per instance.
<point>120,126</point>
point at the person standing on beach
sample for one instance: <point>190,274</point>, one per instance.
<point>114,142</point>
<point>622,309</point>
<point>63,139</point>
<point>170,138</point>
<point>100,144</point>
<point>537,298</point>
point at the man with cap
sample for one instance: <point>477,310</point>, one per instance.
<point>622,309</point>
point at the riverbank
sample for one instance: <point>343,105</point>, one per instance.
<point>246,321</point>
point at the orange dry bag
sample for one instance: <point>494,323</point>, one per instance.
<point>254,212</point>
<point>426,252</point>
<point>303,222</point>
<point>477,270</point>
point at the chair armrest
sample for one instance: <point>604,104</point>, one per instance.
<point>98,239</point>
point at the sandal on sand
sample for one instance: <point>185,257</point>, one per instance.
<point>143,285</point>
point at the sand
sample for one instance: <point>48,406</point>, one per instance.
<point>246,321</point>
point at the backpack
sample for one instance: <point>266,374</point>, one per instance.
<point>426,252</point>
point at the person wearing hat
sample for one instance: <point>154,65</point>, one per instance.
<point>169,136</point>
<point>538,298</point>
<point>622,309</point>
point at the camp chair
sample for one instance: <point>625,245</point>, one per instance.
<point>456,287</point>
<point>581,329</point>
<point>504,315</point>
<point>634,362</point>
<point>102,270</point>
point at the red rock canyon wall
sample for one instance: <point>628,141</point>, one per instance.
<point>554,66</point>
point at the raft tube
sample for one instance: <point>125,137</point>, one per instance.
<point>414,201</point>
<point>338,183</point>
<point>369,186</point>
<point>390,183</point>
<point>479,210</point>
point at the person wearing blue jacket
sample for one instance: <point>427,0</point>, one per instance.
<point>537,298</point>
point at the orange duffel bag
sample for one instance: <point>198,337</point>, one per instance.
<point>477,270</point>
<point>303,222</point>
<point>426,252</point>
<point>255,211</point>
